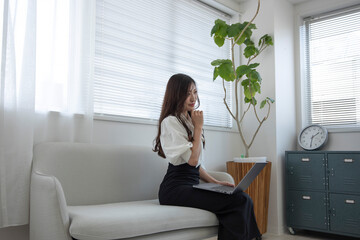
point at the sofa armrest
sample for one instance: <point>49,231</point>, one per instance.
<point>221,176</point>
<point>49,218</point>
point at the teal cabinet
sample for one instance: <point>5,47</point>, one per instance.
<point>345,213</point>
<point>306,171</point>
<point>307,209</point>
<point>322,190</point>
<point>344,172</point>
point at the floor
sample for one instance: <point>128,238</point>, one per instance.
<point>302,235</point>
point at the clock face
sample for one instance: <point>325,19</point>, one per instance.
<point>313,137</point>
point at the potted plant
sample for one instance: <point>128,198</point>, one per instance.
<point>248,79</point>
<point>244,76</point>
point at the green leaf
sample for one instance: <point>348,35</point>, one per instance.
<point>217,62</point>
<point>245,82</point>
<point>250,51</point>
<point>248,33</point>
<point>219,40</point>
<point>216,73</point>
<point>266,39</point>
<point>254,76</point>
<point>234,30</point>
<point>241,39</point>
<point>226,71</point>
<point>257,87</point>
<point>219,27</point>
<point>251,26</point>
<point>254,65</point>
<point>247,100</point>
<point>214,29</point>
<point>249,92</point>
<point>219,31</point>
<point>270,99</point>
<point>269,40</point>
<point>242,70</point>
<point>262,104</point>
<point>248,42</point>
<point>253,101</point>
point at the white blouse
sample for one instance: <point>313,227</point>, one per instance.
<point>175,143</point>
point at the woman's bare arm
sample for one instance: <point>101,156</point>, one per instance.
<point>198,121</point>
<point>207,178</point>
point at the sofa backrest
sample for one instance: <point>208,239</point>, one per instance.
<point>98,174</point>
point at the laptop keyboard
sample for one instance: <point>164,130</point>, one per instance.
<point>223,188</point>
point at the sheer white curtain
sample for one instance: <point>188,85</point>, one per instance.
<point>65,35</point>
<point>46,83</point>
<point>17,110</point>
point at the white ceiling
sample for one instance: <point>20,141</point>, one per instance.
<point>291,1</point>
<point>298,1</point>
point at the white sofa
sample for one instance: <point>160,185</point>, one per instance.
<point>92,191</point>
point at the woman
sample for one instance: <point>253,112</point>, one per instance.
<point>180,140</point>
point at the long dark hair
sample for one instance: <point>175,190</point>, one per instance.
<point>173,104</point>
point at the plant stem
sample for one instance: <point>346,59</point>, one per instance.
<point>260,124</point>
<point>237,81</point>
<point>242,117</point>
<point>226,104</point>
<point>247,25</point>
<point>243,139</point>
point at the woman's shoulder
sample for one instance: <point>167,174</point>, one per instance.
<point>171,121</point>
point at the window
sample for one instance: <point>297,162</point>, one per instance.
<point>332,63</point>
<point>140,44</point>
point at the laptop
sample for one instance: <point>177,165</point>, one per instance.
<point>242,186</point>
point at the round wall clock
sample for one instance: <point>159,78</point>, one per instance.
<point>313,137</point>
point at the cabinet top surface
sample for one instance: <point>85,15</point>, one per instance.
<point>317,152</point>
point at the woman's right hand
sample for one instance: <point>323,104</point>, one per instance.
<point>197,118</point>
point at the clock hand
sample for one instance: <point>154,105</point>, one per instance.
<point>312,137</point>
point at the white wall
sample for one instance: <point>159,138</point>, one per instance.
<point>277,70</point>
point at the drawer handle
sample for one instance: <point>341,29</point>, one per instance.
<point>306,197</point>
<point>348,160</point>
<point>350,201</point>
<point>305,159</point>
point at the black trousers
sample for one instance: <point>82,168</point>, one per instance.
<point>235,212</point>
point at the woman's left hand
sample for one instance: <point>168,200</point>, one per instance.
<point>226,183</point>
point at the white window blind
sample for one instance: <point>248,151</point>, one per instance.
<point>332,55</point>
<point>140,44</point>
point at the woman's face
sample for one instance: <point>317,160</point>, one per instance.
<point>191,99</point>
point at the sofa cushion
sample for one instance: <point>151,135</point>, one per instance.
<point>122,220</point>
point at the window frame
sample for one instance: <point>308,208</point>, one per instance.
<point>302,37</point>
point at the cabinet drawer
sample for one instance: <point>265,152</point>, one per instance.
<point>344,172</point>
<point>306,210</point>
<point>345,213</point>
<point>305,171</point>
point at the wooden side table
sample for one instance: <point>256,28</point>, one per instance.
<point>258,189</point>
